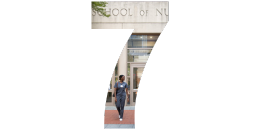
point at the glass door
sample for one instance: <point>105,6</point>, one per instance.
<point>136,74</point>
<point>110,101</point>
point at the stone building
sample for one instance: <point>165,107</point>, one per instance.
<point>148,19</point>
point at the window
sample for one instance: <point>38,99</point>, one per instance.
<point>137,55</point>
<point>116,70</point>
<point>142,41</point>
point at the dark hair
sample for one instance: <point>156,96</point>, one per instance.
<point>120,77</point>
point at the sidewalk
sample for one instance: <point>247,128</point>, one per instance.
<point>125,126</point>
<point>125,108</point>
<point>112,119</point>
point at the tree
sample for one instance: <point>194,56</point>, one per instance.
<point>99,7</point>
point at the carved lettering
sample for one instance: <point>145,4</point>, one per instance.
<point>93,11</point>
<point>165,12</point>
<point>125,11</point>
<point>99,13</point>
<point>141,12</point>
<point>158,11</point>
<point>129,13</point>
<point>109,11</point>
<point>113,11</point>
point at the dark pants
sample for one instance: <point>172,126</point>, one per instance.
<point>120,105</point>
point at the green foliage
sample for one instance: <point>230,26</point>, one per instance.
<point>99,7</point>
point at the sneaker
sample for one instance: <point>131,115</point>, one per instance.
<point>121,119</point>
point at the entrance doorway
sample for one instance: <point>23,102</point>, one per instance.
<point>136,71</point>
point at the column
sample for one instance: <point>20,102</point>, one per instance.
<point>122,62</point>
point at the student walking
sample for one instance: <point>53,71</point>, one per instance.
<point>120,94</point>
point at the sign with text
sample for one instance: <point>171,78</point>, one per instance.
<point>133,11</point>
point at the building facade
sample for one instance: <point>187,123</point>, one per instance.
<point>148,19</point>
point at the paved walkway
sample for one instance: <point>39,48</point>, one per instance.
<point>125,126</point>
<point>112,119</point>
<point>125,108</point>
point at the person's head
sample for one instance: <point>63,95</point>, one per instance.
<point>121,77</point>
